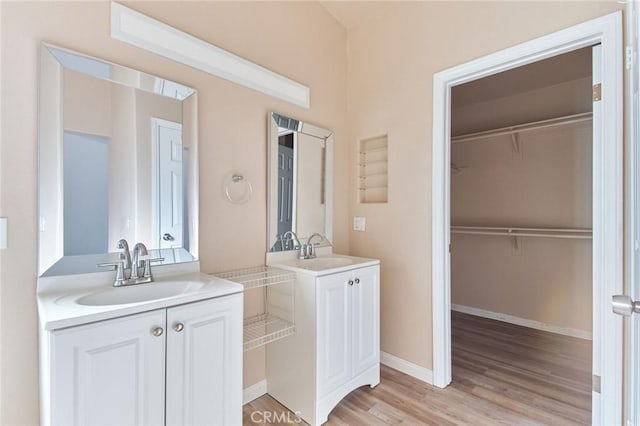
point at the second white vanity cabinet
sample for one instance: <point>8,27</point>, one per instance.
<point>185,361</point>
<point>336,347</point>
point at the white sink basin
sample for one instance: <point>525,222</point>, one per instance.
<point>138,293</point>
<point>322,263</point>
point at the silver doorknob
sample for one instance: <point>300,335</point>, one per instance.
<point>168,237</point>
<point>357,281</point>
<point>623,305</point>
<point>350,282</point>
<point>178,327</point>
<point>158,331</point>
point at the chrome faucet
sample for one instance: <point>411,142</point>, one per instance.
<point>128,271</point>
<point>311,251</point>
<point>290,235</point>
<point>124,253</point>
<point>138,249</point>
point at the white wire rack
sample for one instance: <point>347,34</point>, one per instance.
<point>259,276</point>
<point>265,328</point>
<point>277,320</point>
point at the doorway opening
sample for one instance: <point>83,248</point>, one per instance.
<point>521,221</point>
<point>606,208</point>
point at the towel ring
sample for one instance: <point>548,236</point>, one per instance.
<point>236,181</point>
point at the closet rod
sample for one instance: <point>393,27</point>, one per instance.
<point>524,234</point>
<point>525,127</point>
<point>570,233</point>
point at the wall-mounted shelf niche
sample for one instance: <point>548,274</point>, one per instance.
<point>277,319</point>
<point>373,170</point>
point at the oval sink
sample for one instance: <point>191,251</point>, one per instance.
<point>322,263</point>
<point>138,293</point>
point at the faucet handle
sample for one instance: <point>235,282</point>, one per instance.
<point>147,264</point>
<point>119,268</point>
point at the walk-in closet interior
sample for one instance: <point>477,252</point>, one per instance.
<point>521,248</point>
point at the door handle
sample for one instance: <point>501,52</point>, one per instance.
<point>168,237</point>
<point>623,305</point>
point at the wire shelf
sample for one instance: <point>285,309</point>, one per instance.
<point>265,328</point>
<point>259,276</point>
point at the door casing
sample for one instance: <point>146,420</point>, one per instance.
<point>607,199</point>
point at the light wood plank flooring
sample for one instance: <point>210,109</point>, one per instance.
<point>502,374</point>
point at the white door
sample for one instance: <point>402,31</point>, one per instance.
<point>366,319</point>
<point>625,302</point>
<point>334,331</point>
<point>109,372</point>
<point>170,185</point>
<point>204,362</point>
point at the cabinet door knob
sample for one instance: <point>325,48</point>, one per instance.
<point>357,280</point>
<point>350,282</point>
<point>158,331</point>
<point>178,327</point>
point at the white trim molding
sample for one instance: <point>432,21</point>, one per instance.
<point>406,367</point>
<point>608,198</point>
<point>511,319</point>
<point>254,391</point>
<point>144,32</point>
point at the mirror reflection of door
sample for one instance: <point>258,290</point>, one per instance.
<point>286,174</point>
<point>169,183</point>
<point>86,193</point>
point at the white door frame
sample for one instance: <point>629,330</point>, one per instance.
<point>607,199</point>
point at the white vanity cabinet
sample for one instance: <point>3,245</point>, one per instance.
<point>336,348</point>
<point>185,361</point>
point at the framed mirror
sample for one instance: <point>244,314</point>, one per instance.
<point>300,179</point>
<point>117,159</point>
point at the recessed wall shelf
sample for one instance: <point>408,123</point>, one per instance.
<point>277,319</point>
<point>373,172</point>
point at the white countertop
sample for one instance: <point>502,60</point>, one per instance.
<point>59,308</point>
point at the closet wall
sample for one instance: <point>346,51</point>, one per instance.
<point>543,282</point>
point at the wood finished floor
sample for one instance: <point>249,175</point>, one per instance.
<point>502,374</point>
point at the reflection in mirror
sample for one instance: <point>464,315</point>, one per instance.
<point>300,183</point>
<point>117,159</point>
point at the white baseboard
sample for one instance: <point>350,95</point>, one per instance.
<point>254,391</point>
<point>407,367</point>
<point>566,331</point>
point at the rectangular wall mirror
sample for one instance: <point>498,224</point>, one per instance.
<point>300,183</point>
<point>117,159</point>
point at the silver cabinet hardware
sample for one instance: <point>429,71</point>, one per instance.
<point>623,305</point>
<point>168,237</point>
<point>178,327</point>
<point>158,331</point>
<point>350,282</point>
<point>357,280</point>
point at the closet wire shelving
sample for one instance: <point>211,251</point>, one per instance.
<point>567,233</point>
<point>277,319</point>
<point>514,131</point>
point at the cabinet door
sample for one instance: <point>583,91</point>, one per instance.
<point>109,372</point>
<point>366,319</point>
<point>334,331</point>
<point>204,362</point>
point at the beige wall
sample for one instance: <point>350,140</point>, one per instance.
<point>299,40</point>
<point>392,59</point>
